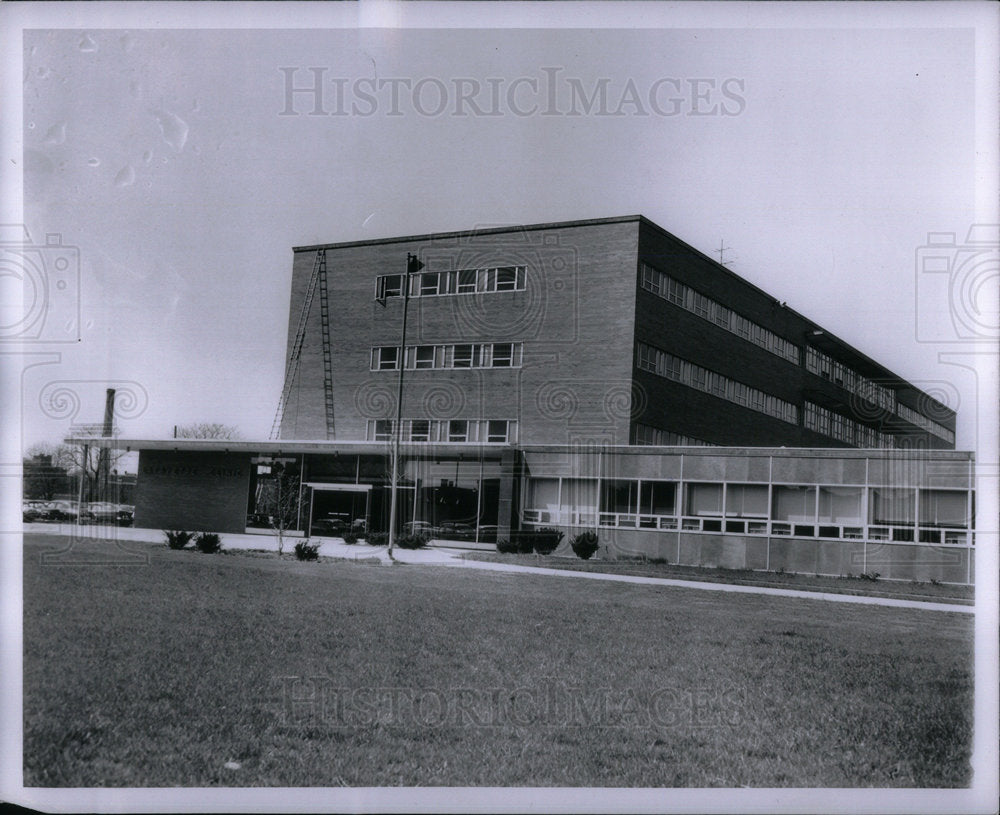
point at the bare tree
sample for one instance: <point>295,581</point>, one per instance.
<point>278,498</point>
<point>208,430</point>
<point>78,460</point>
<point>43,478</point>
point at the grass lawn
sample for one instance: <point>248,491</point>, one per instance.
<point>930,592</point>
<point>230,670</point>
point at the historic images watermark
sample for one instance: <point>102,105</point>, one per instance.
<point>314,91</point>
<point>320,702</point>
<point>41,281</point>
<point>961,278</point>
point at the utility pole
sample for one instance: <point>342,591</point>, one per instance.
<point>413,265</point>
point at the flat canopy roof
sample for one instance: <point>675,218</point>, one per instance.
<point>334,447</point>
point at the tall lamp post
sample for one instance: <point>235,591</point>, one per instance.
<point>413,265</point>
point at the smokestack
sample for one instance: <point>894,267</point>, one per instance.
<point>104,456</point>
<point>109,412</point>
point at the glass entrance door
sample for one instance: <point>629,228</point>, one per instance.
<point>337,511</point>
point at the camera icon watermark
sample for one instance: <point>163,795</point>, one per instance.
<point>41,282</point>
<point>957,285</point>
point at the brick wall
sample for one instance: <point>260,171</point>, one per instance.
<point>196,491</point>
<point>575,321</point>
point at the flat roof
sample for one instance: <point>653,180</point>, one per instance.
<point>821,338</point>
<point>491,230</point>
<point>456,448</point>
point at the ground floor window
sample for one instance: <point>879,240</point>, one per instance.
<point>845,512</point>
<point>452,499</point>
<point>275,500</point>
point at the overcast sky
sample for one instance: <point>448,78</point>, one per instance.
<point>179,166</point>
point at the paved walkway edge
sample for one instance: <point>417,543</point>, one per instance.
<point>453,558</point>
<point>730,587</point>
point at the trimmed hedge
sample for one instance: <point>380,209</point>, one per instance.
<point>585,544</point>
<point>177,538</point>
<point>307,551</point>
<point>208,543</point>
<point>412,541</point>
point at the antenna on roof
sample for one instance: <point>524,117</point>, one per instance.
<point>721,253</point>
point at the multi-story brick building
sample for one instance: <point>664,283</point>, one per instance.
<point>611,327</point>
<point>594,374</point>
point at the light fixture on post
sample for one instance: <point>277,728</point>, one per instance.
<point>413,266</point>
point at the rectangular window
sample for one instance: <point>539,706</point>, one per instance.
<point>658,498</point>
<point>670,367</point>
<point>458,430</point>
<point>795,504</point>
<point>507,278</point>
<point>466,281</point>
<point>420,430</point>
<point>385,358</point>
<point>944,508</point>
<point>579,498</point>
<point>746,500</point>
<point>390,285</point>
<point>699,304</point>
<point>543,495</point>
<point>496,431</point>
<point>650,279</point>
<point>430,283</point>
<point>619,496</point>
<point>381,430</point>
<point>675,292</point>
<point>840,505</point>
<point>463,356</point>
<point>503,355</point>
<point>423,357</point>
<point>703,499</point>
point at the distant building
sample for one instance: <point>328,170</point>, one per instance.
<point>43,481</point>
<point>586,375</point>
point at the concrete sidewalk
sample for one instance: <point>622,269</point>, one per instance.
<point>443,555</point>
<point>266,542</point>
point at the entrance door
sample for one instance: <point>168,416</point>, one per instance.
<point>336,510</point>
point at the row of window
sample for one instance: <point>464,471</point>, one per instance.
<point>467,355</point>
<point>846,430</point>
<point>490,431</point>
<point>684,296</point>
<point>921,421</point>
<point>848,509</point>
<point>648,435</point>
<point>687,373</point>
<point>825,366</point>
<point>459,281</point>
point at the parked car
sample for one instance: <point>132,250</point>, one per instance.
<point>32,511</point>
<point>456,530</point>
<point>419,528</point>
<point>126,515</point>
<point>334,527</point>
<point>487,533</point>
<point>103,512</point>
<point>67,511</point>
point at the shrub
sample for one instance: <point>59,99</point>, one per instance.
<point>178,539</point>
<point>307,551</point>
<point>208,543</point>
<point>872,576</point>
<point>506,547</point>
<point>585,544</point>
<point>546,540</point>
<point>413,541</point>
<point>377,538</point>
<point>350,537</point>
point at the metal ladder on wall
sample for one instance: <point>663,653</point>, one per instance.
<point>324,315</point>
<point>318,277</point>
